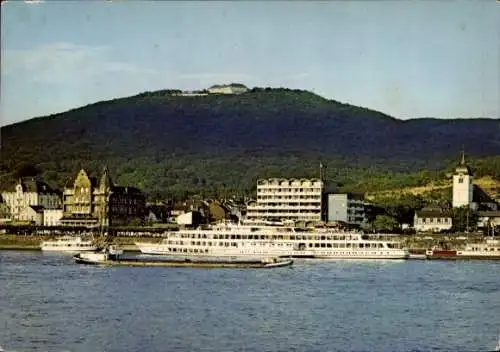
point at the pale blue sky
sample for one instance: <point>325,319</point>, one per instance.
<point>407,59</point>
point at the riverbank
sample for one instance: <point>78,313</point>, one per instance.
<point>417,244</point>
<point>32,243</point>
<point>14,242</point>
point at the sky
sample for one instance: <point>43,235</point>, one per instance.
<point>407,59</point>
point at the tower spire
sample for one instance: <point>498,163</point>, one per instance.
<point>462,162</point>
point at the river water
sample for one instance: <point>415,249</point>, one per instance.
<point>48,303</point>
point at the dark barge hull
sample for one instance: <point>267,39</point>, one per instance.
<point>186,263</point>
<point>463,257</point>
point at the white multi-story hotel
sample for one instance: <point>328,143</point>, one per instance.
<point>287,199</point>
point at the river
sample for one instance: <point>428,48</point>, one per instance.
<point>48,303</point>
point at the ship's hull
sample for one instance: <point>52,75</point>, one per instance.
<point>441,254</point>
<point>479,257</point>
<point>462,255</point>
<point>180,263</point>
<point>158,249</point>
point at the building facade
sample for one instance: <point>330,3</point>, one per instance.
<point>30,192</point>
<point>32,214</point>
<point>432,220</point>
<point>463,189</point>
<point>287,199</point>
<point>488,219</point>
<point>52,217</point>
<point>92,203</point>
<point>346,207</point>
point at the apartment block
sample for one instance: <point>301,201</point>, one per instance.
<point>287,199</point>
<point>346,207</point>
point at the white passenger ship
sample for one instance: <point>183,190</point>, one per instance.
<point>487,250</point>
<point>251,241</point>
<point>69,244</point>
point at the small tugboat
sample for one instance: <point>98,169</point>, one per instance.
<point>98,257</point>
<point>441,253</point>
<point>112,256</point>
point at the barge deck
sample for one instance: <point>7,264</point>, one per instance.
<point>182,263</point>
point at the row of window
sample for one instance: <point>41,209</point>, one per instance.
<point>284,210</point>
<point>434,220</point>
<point>276,204</point>
<point>480,249</point>
<point>267,244</point>
<point>268,237</point>
<point>300,217</point>
<point>288,190</point>
<point>301,197</point>
<point>288,184</point>
<point>205,251</point>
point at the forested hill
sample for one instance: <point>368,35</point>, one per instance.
<point>156,139</point>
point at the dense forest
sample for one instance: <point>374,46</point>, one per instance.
<point>174,146</point>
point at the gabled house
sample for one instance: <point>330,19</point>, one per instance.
<point>432,220</point>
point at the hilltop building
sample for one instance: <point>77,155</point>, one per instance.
<point>29,198</point>
<point>463,189</point>
<point>92,203</point>
<point>233,88</point>
<point>346,208</point>
<point>287,199</point>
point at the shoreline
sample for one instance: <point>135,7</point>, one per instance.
<point>11,242</point>
<point>14,247</point>
<point>32,243</point>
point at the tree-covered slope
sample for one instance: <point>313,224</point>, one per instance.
<point>159,140</point>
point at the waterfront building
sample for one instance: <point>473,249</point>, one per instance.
<point>4,212</point>
<point>488,219</point>
<point>30,192</point>
<point>52,217</point>
<point>432,220</point>
<point>463,189</point>
<point>32,214</point>
<point>287,199</point>
<point>191,218</point>
<point>92,203</point>
<point>217,212</point>
<point>347,208</point>
<point>158,212</point>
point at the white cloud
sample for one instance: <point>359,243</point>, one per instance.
<point>299,76</point>
<point>59,62</point>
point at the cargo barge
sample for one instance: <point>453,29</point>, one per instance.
<point>114,258</point>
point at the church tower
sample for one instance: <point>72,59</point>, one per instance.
<point>106,183</point>
<point>105,191</point>
<point>462,185</point>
